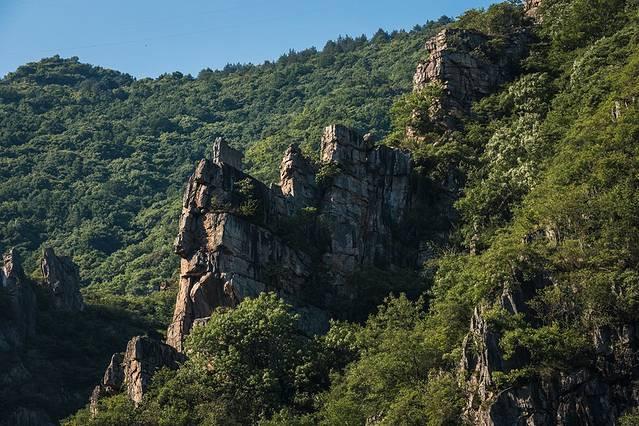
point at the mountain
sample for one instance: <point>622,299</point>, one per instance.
<point>469,256</point>
<point>93,161</point>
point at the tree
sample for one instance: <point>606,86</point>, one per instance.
<point>244,365</point>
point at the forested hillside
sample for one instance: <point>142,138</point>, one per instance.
<point>532,312</point>
<point>510,163</point>
<point>93,162</point>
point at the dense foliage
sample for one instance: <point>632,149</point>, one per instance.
<point>554,191</point>
<point>548,168</point>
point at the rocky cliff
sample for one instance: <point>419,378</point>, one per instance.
<point>18,295</point>
<point>468,65</point>
<point>606,383</point>
<point>302,238</point>
<point>305,237</point>
<point>19,309</point>
<point>596,392</point>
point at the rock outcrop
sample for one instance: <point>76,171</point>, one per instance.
<point>143,357</point>
<point>531,8</point>
<point>17,304</point>
<point>132,370</point>
<point>593,394</point>
<point>62,281</point>
<point>321,224</point>
<point>18,312</point>
<point>221,150</point>
<point>468,65</point>
<point>111,383</point>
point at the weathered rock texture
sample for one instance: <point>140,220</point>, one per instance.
<point>221,150</point>
<point>62,280</point>
<point>595,393</point>
<point>132,370</point>
<point>111,383</point>
<point>302,238</point>
<point>469,66</point>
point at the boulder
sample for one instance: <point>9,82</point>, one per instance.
<point>143,357</point>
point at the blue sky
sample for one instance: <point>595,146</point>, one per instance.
<point>149,37</point>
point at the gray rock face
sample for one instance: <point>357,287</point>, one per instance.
<point>132,370</point>
<point>62,280</point>
<point>235,233</point>
<point>17,296</point>
<point>368,196</point>
<point>469,67</point>
<point>297,179</point>
<point>594,394</point>
<point>143,357</point>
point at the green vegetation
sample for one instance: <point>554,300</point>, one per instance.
<point>250,363</point>
<point>500,19</point>
<point>548,197</point>
<point>326,173</point>
<point>249,204</point>
<point>630,419</point>
<point>93,163</point>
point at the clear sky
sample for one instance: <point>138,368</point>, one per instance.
<point>149,37</point>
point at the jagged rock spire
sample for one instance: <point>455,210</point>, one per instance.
<point>12,271</point>
<point>222,153</point>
